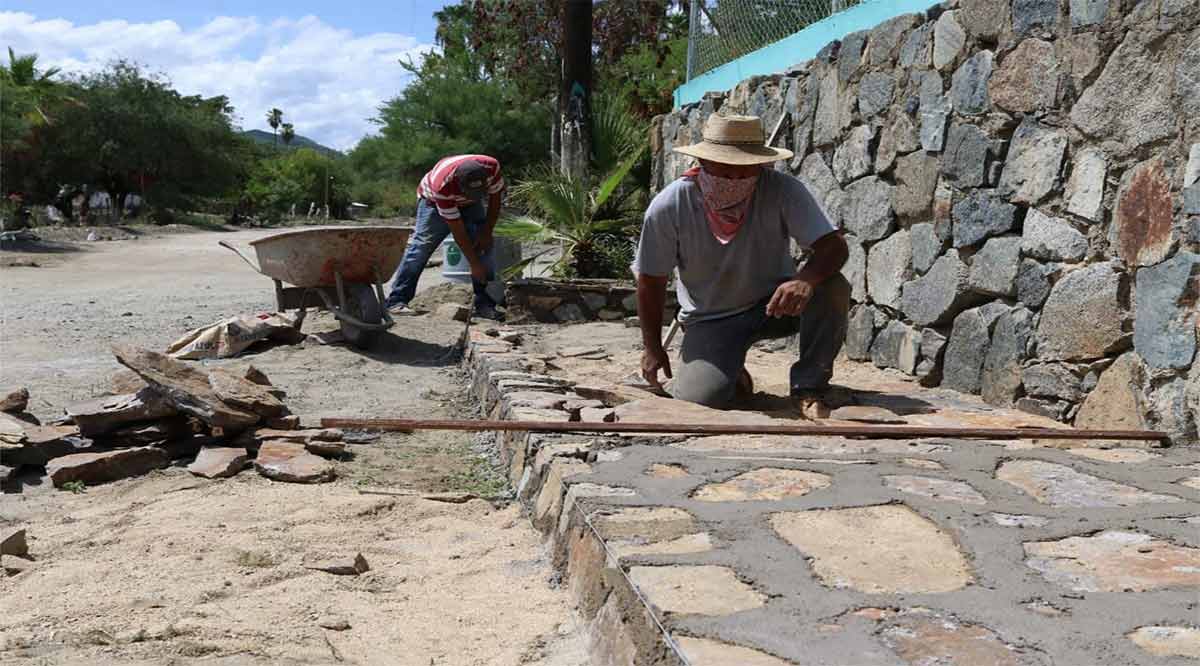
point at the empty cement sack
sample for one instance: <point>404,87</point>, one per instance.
<point>234,335</point>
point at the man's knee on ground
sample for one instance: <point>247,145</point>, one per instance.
<point>713,392</point>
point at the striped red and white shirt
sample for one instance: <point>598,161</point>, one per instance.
<point>441,187</point>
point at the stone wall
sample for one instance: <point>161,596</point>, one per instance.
<point>1019,183</point>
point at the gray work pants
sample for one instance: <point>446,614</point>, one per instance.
<point>714,351</point>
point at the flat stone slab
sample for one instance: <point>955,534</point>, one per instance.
<point>1124,456</point>
<point>92,468</point>
<point>1115,561</point>
<point>103,415</point>
<point>695,590</point>
<point>822,445</point>
<point>291,462</point>
<point>921,637</point>
<point>1062,486</point>
<point>245,394</point>
<point>1168,641</point>
<point>935,488</point>
<point>707,652</point>
<point>184,387</point>
<point>876,549</point>
<point>216,462</point>
<point>765,484</point>
<point>684,545</point>
<point>647,523</point>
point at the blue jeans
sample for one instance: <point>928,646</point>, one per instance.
<point>430,232</point>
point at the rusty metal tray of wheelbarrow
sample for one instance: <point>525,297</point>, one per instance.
<point>313,257</point>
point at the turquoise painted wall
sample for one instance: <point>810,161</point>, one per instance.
<point>797,48</point>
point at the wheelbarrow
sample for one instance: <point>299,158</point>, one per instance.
<point>340,269</point>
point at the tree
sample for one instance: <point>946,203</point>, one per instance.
<point>275,119</point>
<point>131,132</point>
<point>299,177</point>
<point>22,73</point>
<point>288,134</point>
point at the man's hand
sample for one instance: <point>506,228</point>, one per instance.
<point>654,360</point>
<point>790,299</point>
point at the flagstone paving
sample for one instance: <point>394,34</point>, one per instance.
<point>774,550</point>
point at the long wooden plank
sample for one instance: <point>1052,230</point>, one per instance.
<point>810,428</point>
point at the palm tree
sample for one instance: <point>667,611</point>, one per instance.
<point>22,72</point>
<point>593,219</point>
<point>275,119</point>
<point>288,134</point>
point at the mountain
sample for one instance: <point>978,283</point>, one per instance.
<point>263,136</point>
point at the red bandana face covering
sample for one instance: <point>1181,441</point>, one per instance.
<point>726,201</point>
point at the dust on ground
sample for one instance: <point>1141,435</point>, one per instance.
<point>170,568</point>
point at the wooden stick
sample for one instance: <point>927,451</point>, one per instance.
<point>809,428</point>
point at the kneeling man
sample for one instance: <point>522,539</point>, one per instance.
<point>725,227</point>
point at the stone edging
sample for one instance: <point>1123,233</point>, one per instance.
<point>621,627</point>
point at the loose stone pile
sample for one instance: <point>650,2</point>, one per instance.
<point>773,550</point>
<point>1019,182</point>
<point>163,410</point>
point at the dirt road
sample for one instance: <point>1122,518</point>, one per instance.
<point>170,568</point>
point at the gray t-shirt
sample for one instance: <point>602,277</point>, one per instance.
<point>718,280</point>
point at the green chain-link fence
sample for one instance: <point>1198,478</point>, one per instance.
<point>722,30</point>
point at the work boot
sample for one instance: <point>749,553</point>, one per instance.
<point>488,312</point>
<point>819,403</point>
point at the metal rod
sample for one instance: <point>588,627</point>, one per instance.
<point>814,429</point>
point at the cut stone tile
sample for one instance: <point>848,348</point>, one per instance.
<point>876,549</point>
<point>701,590</point>
<point>923,638</point>
<point>1059,485</point>
<point>935,488</point>
<point>1018,520</point>
<point>667,471</point>
<point>1114,455</point>
<point>1168,641</point>
<point>651,523</point>
<point>690,543</point>
<point>579,491</point>
<point>765,484</point>
<point>921,463</point>
<point>1114,561</point>
<point>291,462</point>
<point>707,652</point>
<point>215,462</point>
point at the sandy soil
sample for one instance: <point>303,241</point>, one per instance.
<point>170,568</point>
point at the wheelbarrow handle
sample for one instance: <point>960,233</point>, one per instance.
<point>245,258</point>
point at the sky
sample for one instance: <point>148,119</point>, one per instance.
<point>327,65</point>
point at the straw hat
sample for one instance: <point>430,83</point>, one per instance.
<point>734,140</point>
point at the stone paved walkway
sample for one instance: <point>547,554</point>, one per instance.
<point>773,550</point>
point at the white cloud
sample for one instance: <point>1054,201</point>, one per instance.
<point>328,81</point>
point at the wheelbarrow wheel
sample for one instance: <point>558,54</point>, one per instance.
<point>361,303</point>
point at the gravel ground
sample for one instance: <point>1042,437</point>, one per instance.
<point>169,568</point>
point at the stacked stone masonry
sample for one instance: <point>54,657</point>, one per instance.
<point>1018,177</point>
<point>786,551</point>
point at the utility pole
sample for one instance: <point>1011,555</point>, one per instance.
<point>575,104</point>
